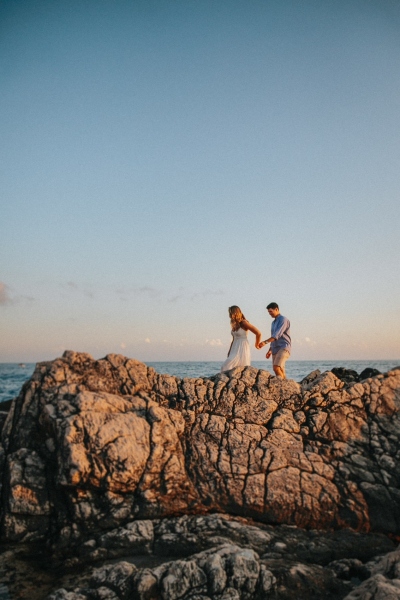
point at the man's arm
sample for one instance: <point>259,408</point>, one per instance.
<point>265,342</point>
<point>269,352</point>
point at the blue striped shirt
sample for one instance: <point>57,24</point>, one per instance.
<point>280,330</point>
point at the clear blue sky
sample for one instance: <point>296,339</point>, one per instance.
<point>162,160</point>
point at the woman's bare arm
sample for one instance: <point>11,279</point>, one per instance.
<point>248,326</point>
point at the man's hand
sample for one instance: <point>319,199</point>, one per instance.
<point>261,345</point>
<point>268,354</point>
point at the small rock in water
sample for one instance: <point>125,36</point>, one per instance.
<point>346,375</point>
<point>369,372</point>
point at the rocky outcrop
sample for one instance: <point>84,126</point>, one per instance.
<point>157,479</point>
<point>383,579</point>
<point>227,573</point>
<point>230,572</point>
<point>351,376</point>
<point>210,557</point>
<point>90,445</point>
<point>191,534</point>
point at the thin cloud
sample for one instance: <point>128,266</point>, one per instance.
<point>175,298</point>
<point>148,290</point>
<point>5,297</point>
<point>178,295</point>
<point>74,287</point>
<point>205,293</point>
<point>214,342</point>
<point>310,342</point>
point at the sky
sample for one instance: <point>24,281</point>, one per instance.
<point>161,160</point>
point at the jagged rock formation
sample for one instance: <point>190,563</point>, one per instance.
<point>231,557</point>
<point>99,459</point>
<point>231,572</point>
<point>351,376</point>
<point>92,444</point>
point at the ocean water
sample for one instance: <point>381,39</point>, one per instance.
<point>295,369</point>
<point>12,378</point>
<point>13,375</point>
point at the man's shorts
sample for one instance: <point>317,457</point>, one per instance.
<point>279,359</point>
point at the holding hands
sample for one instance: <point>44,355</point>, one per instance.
<point>262,344</point>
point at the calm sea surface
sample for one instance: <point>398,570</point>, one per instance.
<point>13,375</point>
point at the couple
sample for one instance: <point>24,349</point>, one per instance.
<point>239,351</point>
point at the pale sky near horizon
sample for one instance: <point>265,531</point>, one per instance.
<point>162,160</point>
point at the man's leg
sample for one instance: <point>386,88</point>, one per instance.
<point>279,372</point>
<point>283,367</point>
<point>278,362</point>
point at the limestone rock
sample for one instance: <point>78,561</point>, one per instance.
<point>230,556</point>
<point>225,572</point>
<point>384,580</point>
<point>190,534</point>
<point>368,372</point>
<point>90,446</point>
<point>346,375</point>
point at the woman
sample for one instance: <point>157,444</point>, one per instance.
<point>239,351</point>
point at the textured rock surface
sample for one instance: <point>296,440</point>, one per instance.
<point>351,376</point>
<point>90,445</point>
<point>383,582</point>
<point>110,462</point>
<point>211,556</point>
<point>190,534</point>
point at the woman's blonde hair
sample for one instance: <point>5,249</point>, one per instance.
<point>236,316</point>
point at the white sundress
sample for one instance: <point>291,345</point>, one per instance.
<point>239,356</point>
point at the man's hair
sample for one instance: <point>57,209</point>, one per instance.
<point>272,305</point>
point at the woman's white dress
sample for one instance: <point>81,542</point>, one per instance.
<point>239,356</point>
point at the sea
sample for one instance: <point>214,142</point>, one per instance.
<point>14,375</point>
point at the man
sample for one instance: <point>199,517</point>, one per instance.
<point>280,340</point>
